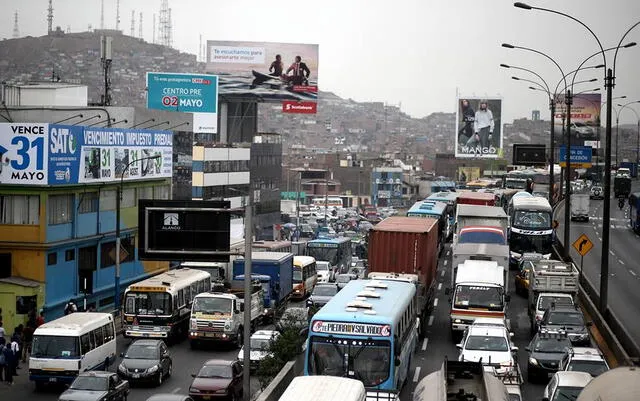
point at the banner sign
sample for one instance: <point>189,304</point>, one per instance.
<point>354,329</point>
<point>580,156</point>
<point>187,93</point>
<point>63,154</point>
<point>290,106</point>
<point>479,130</point>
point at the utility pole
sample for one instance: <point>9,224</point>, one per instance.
<point>567,202</point>
<point>105,54</point>
<point>552,107</point>
<point>248,242</point>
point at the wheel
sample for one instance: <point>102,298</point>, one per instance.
<point>170,369</point>
<point>159,381</point>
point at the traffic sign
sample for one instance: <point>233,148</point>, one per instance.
<point>581,156</point>
<point>583,245</point>
<point>123,254</point>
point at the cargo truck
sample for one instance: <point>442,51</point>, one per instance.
<point>580,207</point>
<point>633,168</point>
<point>407,245</point>
<point>475,215</point>
<point>622,185</point>
<point>219,316</point>
<point>278,266</point>
<point>492,252</point>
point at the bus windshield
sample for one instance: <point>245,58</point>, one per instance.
<point>367,361</point>
<point>532,219</point>
<point>515,183</point>
<point>148,303</point>
<point>212,306</point>
<point>473,296</point>
<point>530,243</point>
<point>326,254</point>
<point>297,275</point>
<point>55,347</point>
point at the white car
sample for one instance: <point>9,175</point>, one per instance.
<point>566,386</point>
<point>584,359</point>
<point>490,341</point>
<point>325,273</point>
<point>260,343</point>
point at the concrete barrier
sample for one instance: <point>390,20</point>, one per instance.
<point>280,383</point>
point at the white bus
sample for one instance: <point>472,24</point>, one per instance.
<point>71,345</point>
<point>159,307</point>
<point>331,202</point>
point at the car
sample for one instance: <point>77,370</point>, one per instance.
<point>260,343</point>
<point>294,318</point>
<point>343,279</point>
<point>169,397</point>
<point>596,192</point>
<point>96,386</point>
<point>565,386</point>
<point>306,231</point>
<point>546,349</point>
<point>582,131</point>
<point>488,341</point>
<point>544,301</point>
<point>217,379</point>
<point>325,273</point>
<point>522,278</point>
<point>321,294</point>
<point>360,271</point>
<point>146,361</point>
<point>584,359</point>
<point>567,319</point>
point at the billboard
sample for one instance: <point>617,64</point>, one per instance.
<point>468,173</point>
<point>50,154</point>
<point>478,127</point>
<point>265,70</point>
<point>585,110</point>
<point>529,155</point>
<point>580,156</point>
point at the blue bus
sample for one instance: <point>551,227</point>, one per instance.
<point>439,186</point>
<point>336,251</point>
<point>634,212</point>
<point>435,210</point>
<point>367,331</point>
<point>451,199</point>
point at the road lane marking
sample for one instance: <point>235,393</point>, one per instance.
<point>424,344</point>
<point>445,262</point>
<point>175,390</point>
<point>632,273</point>
<point>416,375</point>
<point>621,262</point>
<point>435,302</point>
<point>431,320</point>
<point>611,252</point>
<point>448,252</point>
<point>442,274</point>
<point>439,286</point>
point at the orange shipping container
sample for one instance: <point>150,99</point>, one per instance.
<point>405,245</point>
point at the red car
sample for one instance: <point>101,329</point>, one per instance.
<point>217,379</point>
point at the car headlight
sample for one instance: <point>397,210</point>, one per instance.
<point>122,368</point>
<point>193,390</point>
<point>221,391</point>
<point>152,369</point>
<point>533,361</point>
<point>457,321</point>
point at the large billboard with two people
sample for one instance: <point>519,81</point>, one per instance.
<point>478,127</point>
<point>282,72</point>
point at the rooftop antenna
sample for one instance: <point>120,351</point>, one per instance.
<point>117,15</point>
<point>140,26</point>
<point>133,23</point>
<point>169,31</point>
<point>50,17</point>
<point>102,14</point>
<point>16,30</point>
<point>164,24</point>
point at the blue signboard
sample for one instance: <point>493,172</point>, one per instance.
<point>187,93</point>
<point>580,156</point>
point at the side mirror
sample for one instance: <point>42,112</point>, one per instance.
<point>397,361</point>
<point>511,335</point>
<point>515,349</point>
<point>527,348</point>
<point>545,398</point>
<point>507,298</point>
<point>459,346</point>
<point>242,307</point>
<point>193,375</point>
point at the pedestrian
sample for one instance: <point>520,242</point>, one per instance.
<point>27,338</point>
<point>18,338</point>
<point>8,364</point>
<point>2,332</point>
<point>3,360</point>
<point>70,307</point>
<point>40,319</point>
<point>15,355</point>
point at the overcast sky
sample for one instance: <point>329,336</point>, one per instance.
<point>414,52</point>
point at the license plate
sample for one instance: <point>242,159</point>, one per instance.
<point>212,334</point>
<point>135,375</point>
<point>206,397</point>
<point>53,379</point>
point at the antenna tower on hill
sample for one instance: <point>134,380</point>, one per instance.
<point>164,24</point>
<point>102,14</point>
<point>50,17</point>
<point>16,30</point>
<point>140,26</point>
<point>133,23</point>
<point>117,15</point>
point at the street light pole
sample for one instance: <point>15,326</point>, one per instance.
<point>622,107</point>
<point>248,242</point>
<point>567,202</point>
<point>116,294</point>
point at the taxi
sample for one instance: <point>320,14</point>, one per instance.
<point>524,273</point>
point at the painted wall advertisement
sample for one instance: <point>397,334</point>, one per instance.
<point>478,128</point>
<point>48,154</point>
<point>270,71</point>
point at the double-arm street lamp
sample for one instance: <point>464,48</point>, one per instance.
<point>609,83</point>
<point>116,299</point>
<point>622,107</point>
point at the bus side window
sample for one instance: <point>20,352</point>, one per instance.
<point>187,294</point>
<point>85,344</point>
<point>180,298</point>
<point>98,336</point>
<point>109,332</point>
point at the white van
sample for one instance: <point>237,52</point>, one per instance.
<point>70,345</point>
<point>324,388</point>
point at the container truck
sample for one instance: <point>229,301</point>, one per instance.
<point>477,198</point>
<point>407,245</point>
<point>580,207</point>
<point>219,316</point>
<point>475,215</point>
<point>278,266</point>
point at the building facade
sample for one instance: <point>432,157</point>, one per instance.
<point>386,186</point>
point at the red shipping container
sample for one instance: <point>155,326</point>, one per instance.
<point>477,198</point>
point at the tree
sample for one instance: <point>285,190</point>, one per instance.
<point>281,350</point>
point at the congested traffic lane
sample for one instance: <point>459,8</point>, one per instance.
<point>185,362</point>
<point>624,269</point>
<point>437,345</point>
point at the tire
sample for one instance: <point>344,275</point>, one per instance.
<point>160,377</point>
<point>39,386</point>
<point>170,369</point>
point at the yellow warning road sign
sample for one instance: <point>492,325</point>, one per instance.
<point>583,245</point>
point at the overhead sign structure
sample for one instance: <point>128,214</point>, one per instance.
<point>479,130</point>
<point>187,93</point>
<point>583,245</point>
<point>51,154</point>
<point>183,230</point>
<point>581,156</point>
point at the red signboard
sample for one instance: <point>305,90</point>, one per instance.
<point>291,106</point>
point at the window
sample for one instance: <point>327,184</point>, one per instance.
<point>69,255</point>
<point>20,209</point>
<point>161,192</point>
<point>128,197</point>
<point>60,209</point>
<point>108,200</point>
<point>87,258</point>
<point>187,294</point>
<point>85,343</point>
<point>98,338</point>
<point>88,202</point>
<point>145,193</point>
<point>107,252</point>
<point>108,328</point>
<point>52,259</point>
<point>180,298</point>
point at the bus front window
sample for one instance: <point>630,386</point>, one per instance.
<point>55,347</point>
<point>148,303</point>
<point>532,220</point>
<point>324,254</point>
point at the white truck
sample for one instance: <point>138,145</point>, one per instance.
<point>580,207</point>
<point>479,292</point>
<point>476,215</point>
<point>219,315</point>
<point>491,252</point>
<point>550,282</point>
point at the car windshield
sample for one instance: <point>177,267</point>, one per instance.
<point>594,368</point>
<point>566,393</point>
<point>55,347</point>
<point>546,301</point>
<point>216,371</point>
<point>322,266</point>
<point>565,318</point>
<point>486,343</point>
<point>90,383</point>
<point>260,344</point>
<point>148,303</point>
<point>325,290</point>
<point>551,345</point>
<point>139,351</point>
<point>212,306</point>
<point>467,296</point>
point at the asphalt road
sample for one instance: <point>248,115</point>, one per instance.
<point>624,265</point>
<point>185,362</point>
<point>438,344</point>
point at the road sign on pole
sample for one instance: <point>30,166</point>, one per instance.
<point>583,245</point>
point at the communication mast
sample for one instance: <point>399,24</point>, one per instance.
<point>102,14</point>
<point>140,26</point>
<point>16,30</point>
<point>164,24</point>
<point>117,15</point>
<point>133,23</point>
<point>50,17</point>
<point>153,30</point>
